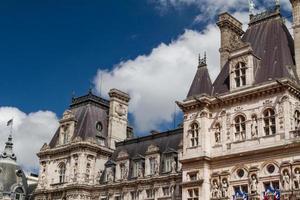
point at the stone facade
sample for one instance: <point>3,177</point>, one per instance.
<point>240,137</point>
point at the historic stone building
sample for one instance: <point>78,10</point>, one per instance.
<point>240,137</point>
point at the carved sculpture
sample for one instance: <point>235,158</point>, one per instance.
<point>254,131</point>
<point>253,184</point>
<point>110,176</point>
<point>297,179</point>
<point>215,190</point>
<point>174,166</point>
<point>224,188</point>
<point>286,181</point>
<point>217,137</point>
<point>140,172</point>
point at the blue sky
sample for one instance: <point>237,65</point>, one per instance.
<point>148,48</point>
<point>51,48</point>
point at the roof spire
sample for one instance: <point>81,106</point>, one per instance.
<point>251,7</point>
<point>8,153</point>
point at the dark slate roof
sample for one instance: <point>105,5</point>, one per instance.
<point>273,44</point>
<point>88,110</point>
<point>138,146</point>
<point>9,178</point>
<point>202,83</point>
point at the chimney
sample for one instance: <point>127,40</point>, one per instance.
<point>118,117</point>
<point>231,30</point>
<point>296,30</point>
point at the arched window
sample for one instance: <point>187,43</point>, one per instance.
<point>297,120</point>
<point>269,122</point>
<point>62,172</point>
<point>240,74</point>
<point>194,135</point>
<point>19,193</point>
<point>217,133</point>
<point>240,128</point>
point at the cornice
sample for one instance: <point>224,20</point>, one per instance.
<point>73,146</point>
<point>244,94</point>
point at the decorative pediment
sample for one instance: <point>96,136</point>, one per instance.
<point>138,157</point>
<point>122,155</point>
<point>45,147</point>
<point>68,115</point>
<point>152,149</point>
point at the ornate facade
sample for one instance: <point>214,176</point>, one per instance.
<point>240,137</point>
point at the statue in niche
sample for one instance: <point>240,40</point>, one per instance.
<point>297,179</point>
<point>140,172</point>
<point>218,133</point>
<point>253,184</point>
<point>98,177</point>
<point>110,175</point>
<point>254,130</point>
<point>124,171</point>
<point>224,188</point>
<point>215,189</point>
<point>286,181</point>
<point>174,166</point>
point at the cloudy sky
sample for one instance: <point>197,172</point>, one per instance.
<point>148,48</point>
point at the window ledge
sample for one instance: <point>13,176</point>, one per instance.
<point>195,147</point>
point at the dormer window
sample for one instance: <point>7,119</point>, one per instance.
<point>240,74</point>
<point>194,135</point>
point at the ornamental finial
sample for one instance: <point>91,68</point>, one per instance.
<point>251,7</point>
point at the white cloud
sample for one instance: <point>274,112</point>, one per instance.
<point>156,80</point>
<point>30,132</point>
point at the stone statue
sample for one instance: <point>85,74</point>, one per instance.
<point>217,137</point>
<point>140,172</point>
<point>224,188</point>
<point>297,179</point>
<point>98,177</point>
<point>125,172</point>
<point>253,184</point>
<point>254,128</point>
<point>174,167</point>
<point>215,190</point>
<point>286,181</point>
<point>110,176</point>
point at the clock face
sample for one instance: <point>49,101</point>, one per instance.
<point>99,126</point>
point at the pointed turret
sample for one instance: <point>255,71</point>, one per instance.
<point>8,153</point>
<point>202,84</point>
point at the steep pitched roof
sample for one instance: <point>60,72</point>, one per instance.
<point>273,44</point>
<point>139,146</point>
<point>88,110</point>
<point>202,83</point>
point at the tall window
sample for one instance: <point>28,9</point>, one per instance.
<point>150,194</point>
<point>269,122</point>
<point>194,135</point>
<point>193,194</point>
<point>240,74</point>
<point>152,165</point>
<point>297,120</point>
<point>240,128</point>
<point>166,191</point>
<point>168,162</point>
<point>62,172</point>
<point>137,164</point>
